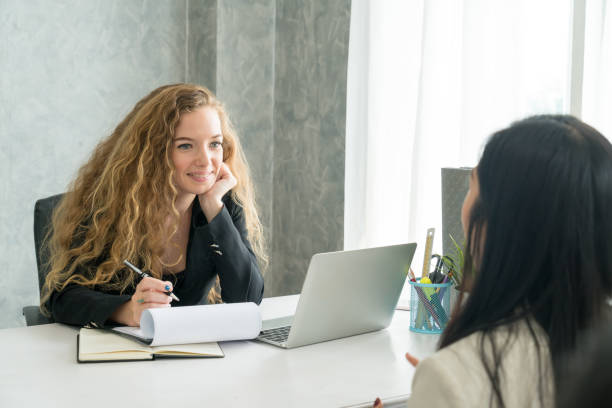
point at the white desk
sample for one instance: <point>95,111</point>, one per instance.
<point>39,369</point>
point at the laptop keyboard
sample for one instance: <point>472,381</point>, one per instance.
<point>278,335</point>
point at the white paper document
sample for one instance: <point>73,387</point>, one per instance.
<point>196,324</point>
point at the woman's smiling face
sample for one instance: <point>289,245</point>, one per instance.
<point>197,151</point>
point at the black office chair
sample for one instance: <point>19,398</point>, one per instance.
<point>43,210</point>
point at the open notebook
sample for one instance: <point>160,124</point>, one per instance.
<point>95,345</point>
<point>188,331</point>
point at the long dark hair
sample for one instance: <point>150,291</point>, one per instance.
<point>539,241</point>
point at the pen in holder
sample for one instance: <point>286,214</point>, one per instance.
<point>429,306</point>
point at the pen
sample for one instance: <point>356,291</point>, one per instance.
<point>146,275</point>
<point>443,282</point>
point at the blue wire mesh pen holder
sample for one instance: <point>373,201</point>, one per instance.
<point>429,306</point>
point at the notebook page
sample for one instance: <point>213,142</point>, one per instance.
<point>198,349</point>
<point>201,324</point>
<point>93,341</point>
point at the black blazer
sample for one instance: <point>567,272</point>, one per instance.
<point>235,263</point>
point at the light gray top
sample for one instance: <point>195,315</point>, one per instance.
<point>455,375</point>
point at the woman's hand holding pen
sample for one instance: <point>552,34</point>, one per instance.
<point>150,293</point>
<point>211,201</point>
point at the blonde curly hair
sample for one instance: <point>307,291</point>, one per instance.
<point>119,203</point>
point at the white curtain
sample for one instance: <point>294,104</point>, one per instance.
<point>428,82</point>
<point>597,82</point>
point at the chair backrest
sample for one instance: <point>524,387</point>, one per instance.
<point>43,210</point>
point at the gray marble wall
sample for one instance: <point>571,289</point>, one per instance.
<point>455,185</point>
<point>309,133</point>
<point>71,69</point>
<point>281,71</point>
<point>201,43</point>
<point>245,84</point>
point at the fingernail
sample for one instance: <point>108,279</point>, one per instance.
<point>377,402</point>
<point>167,287</point>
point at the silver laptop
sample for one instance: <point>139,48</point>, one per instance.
<point>345,293</point>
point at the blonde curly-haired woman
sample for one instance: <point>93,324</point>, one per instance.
<point>170,191</point>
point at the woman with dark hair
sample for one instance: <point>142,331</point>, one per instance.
<point>538,267</point>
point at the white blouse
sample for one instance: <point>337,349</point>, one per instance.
<point>455,376</point>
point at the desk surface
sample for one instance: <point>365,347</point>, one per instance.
<point>39,368</point>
